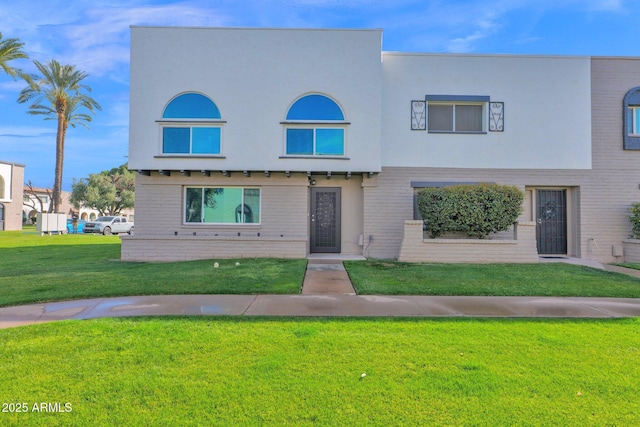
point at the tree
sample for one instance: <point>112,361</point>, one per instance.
<point>30,202</point>
<point>58,93</point>
<point>109,192</point>
<point>11,49</point>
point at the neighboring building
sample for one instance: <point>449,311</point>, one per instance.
<point>280,142</point>
<point>39,200</point>
<point>11,177</point>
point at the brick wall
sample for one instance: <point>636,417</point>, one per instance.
<point>520,249</point>
<point>599,198</point>
<point>631,250</point>
<point>162,235</point>
<point>185,248</point>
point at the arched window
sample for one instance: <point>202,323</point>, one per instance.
<point>191,124</point>
<point>315,126</point>
<point>631,119</point>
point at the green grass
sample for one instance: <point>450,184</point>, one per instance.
<point>634,266</point>
<point>36,268</point>
<point>240,371</point>
<point>545,279</point>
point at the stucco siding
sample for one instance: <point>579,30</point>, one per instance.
<point>254,76</point>
<point>547,108</point>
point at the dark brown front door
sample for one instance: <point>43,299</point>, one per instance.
<point>551,216</point>
<point>325,220</point>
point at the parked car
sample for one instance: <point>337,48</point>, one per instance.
<point>81,223</point>
<point>109,225</point>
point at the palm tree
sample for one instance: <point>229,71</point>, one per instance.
<point>11,49</point>
<point>58,93</point>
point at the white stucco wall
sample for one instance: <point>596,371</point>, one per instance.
<point>547,107</point>
<point>6,174</point>
<point>253,76</point>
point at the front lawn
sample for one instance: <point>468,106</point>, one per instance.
<point>241,371</point>
<point>544,279</point>
<point>36,268</point>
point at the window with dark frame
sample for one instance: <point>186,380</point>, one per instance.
<point>457,113</point>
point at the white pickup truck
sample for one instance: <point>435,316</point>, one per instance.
<point>109,225</point>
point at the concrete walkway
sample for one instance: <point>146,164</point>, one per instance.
<point>326,292</point>
<point>321,306</point>
<point>326,277</point>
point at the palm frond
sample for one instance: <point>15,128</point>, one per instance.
<point>10,50</point>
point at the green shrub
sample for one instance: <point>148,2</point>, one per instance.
<point>476,210</point>
<point>635,219</point>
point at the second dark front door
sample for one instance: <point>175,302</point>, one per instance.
<point>551,217</point>
<point>325,220</point>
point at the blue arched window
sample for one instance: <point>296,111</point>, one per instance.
<point>315,127</point>
<point>191,125</point>
<point>631,119</point>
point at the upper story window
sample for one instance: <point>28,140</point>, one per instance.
<point>315,126</point>
<point>631,119</point>
<point>191,124</point>
<point>456,114</point>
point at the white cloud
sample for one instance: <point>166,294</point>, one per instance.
<point>484,19</point>
<point>94,38</point>
<point>31,132</point>
<point>485,26</point>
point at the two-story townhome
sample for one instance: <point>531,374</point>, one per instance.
<point>281,142</point>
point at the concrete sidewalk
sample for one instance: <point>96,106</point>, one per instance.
<point>328,292</point>
<point>321,306</point>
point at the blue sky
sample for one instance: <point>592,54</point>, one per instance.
<point>94,36</point>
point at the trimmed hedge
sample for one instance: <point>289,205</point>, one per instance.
<point>477,210</point>
<point>635,219</point>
